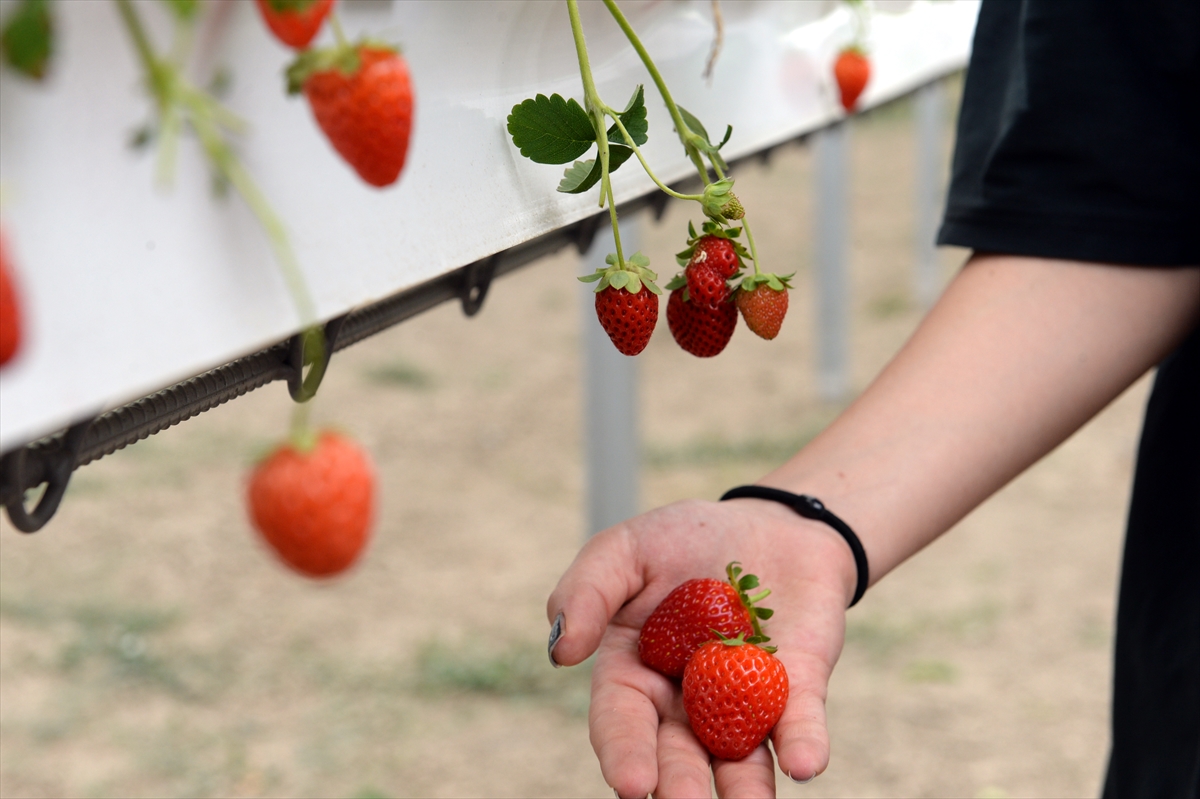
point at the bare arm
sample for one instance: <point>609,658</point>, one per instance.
<point>1016,356</point>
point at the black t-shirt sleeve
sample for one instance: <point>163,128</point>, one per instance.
<point>1079,133</point>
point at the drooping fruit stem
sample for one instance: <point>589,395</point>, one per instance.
<point>685,133</point>
<point>750,241</point>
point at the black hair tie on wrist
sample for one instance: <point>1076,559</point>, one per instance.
<point>812,508</point>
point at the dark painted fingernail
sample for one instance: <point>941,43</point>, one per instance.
<point>801,782</point>
<point>556,631</point>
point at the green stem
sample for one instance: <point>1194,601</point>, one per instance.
<point>682,129</point>
<point>750,240</point>
<point>339,34</point>
<point>633,146</point>
<point>596,108</point>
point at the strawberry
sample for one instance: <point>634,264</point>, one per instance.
<point>763,300</point>
<point>295,22</point>
<point>706,282</point>
<point>719,252</point>
<point>626,301</point>
<point>690,615</point>
<point>629,319</point>
<point>10,313</point>
<point>314,506</point>
<point>733,693</point>
<point>362,99</point>
<point>700,328</point>
<point>852,70</point>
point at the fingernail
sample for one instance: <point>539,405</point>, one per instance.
<point>556,631</point>
<point>619,795</point>
<point>801,782</point>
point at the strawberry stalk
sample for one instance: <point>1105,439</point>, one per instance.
<point>178,101</point>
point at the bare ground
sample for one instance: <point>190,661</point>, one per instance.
<point>150,646</point>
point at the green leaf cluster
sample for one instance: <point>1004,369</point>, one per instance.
<point>27,39</point>
<point>775,282</point>
<point>701,141</point>
<point>554,130</point>
<point>632,276</point>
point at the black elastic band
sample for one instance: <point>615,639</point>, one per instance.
<point>812,508</point>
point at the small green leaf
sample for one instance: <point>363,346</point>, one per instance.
<point>619,279</point>
<point>634,285</point>
<point>639,260</point>
<point>551,130</point>
<point>677,282</point>
<point>582,175</point>
<point>693,123</point>
<point>764,613</point>
<point>184,10</point>
<point>748,582</point>
<point>634,120</point>
<point>611,259</point>
<point>27,40</point>
<point>592,278</point>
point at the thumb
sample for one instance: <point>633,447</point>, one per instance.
<point>603,577</point>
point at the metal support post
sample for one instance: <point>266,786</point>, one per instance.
<point>831,147</point>
<point>930,112</point>
<point>610,399</point>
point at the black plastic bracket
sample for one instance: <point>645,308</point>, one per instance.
<point>53,466</point>
<point>476,280</point>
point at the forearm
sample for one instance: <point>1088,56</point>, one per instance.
<point>1017,355</point>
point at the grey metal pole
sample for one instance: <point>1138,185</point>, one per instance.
<point>610,400</point>
<point>930,112</point>
<point>831,147</point>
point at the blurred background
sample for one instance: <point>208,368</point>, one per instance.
<point>151,646</point>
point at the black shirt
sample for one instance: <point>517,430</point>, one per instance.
<point>1079,139</point>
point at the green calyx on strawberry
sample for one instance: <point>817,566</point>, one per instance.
<point>345,58</point>
<point>744,583</point>
<point>631,276</point>
<point>717,199</point>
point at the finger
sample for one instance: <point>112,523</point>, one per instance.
<point>602,578</point>
<point>801,737</point>
<point>752,777</point>
<point>683,763</point>
<point>623,715</point>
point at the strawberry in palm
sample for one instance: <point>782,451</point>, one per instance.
<point>734,692</point>
<point>362,98</point>
<point>690,615</point>
<point>295,22</point>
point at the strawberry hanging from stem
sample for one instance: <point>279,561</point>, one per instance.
<point>362,98</point>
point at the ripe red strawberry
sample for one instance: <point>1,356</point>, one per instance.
<point>719,252</point>
<point>10,312</point>
<point>315,507</point>
<point>852,70</point>
<point>295,22</point>
<point>688,616</point>
<point>763,300</point>
<point>733,694</point>
<point>700,328</point>
<point>706,282</point>
<point>362,99</point>
<point>629,319</point>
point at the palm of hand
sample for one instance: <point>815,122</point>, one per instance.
<point>638,727</point>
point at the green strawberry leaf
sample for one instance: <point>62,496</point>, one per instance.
<point>677,282</point>
<point>27,40</point>
<point>619,279</point>
<point>764,613</point>
<point>639,260</point>
<point>634,120</point>
<point>582,175</point>
<point>592,278</point>
<point>690,120</point>
<point>551,130</point>
<point>184,10</point>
